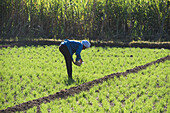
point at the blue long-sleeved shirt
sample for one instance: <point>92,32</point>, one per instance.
<point>74,47</point>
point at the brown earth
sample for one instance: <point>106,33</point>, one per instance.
<point>75,90</point>
<point>166,45</point>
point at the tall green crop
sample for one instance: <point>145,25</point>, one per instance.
<point>93,19</point>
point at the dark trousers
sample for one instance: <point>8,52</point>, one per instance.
<point>64,50</point>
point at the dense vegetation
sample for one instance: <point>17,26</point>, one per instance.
<point>32,72</point>
<point>93,19</point>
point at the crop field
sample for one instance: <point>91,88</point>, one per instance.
<point>146,91</point>
<point>31,72</point>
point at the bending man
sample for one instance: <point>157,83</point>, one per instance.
<point>68,48</point>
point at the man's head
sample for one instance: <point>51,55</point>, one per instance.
<point>86,44</point>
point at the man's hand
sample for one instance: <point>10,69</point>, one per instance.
<point>78,63</point>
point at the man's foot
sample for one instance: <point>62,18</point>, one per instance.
<point>70,80</point>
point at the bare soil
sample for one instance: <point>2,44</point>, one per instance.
<point>63,94</point>
<point>166,45</point>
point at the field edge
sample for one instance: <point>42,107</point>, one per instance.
<point>140,44</point>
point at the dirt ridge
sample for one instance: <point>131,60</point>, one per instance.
<point>75,90</point>
<point>151,45</point>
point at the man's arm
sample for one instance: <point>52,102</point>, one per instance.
<point>78,52</point>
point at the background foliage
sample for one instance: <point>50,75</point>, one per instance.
<point>94,19</point>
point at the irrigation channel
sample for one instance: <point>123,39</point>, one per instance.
<point>63,94</point>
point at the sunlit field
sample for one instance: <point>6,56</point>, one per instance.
<point>31,72</point>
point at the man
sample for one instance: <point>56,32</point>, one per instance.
<point>68,48</point>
